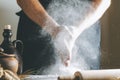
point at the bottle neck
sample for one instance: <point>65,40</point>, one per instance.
<point>7,34</point>
<point>7,40</point>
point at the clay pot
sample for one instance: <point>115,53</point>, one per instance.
<point>9,62</point>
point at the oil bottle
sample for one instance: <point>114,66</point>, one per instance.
<point>10,51</point>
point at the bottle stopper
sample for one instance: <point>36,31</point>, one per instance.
<point>7,27</point>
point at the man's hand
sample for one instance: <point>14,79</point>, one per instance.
<point>63,42</point>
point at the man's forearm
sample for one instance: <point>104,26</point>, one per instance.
<point>96,9</point>
<point>99,8</point>
<point>34,10</point>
